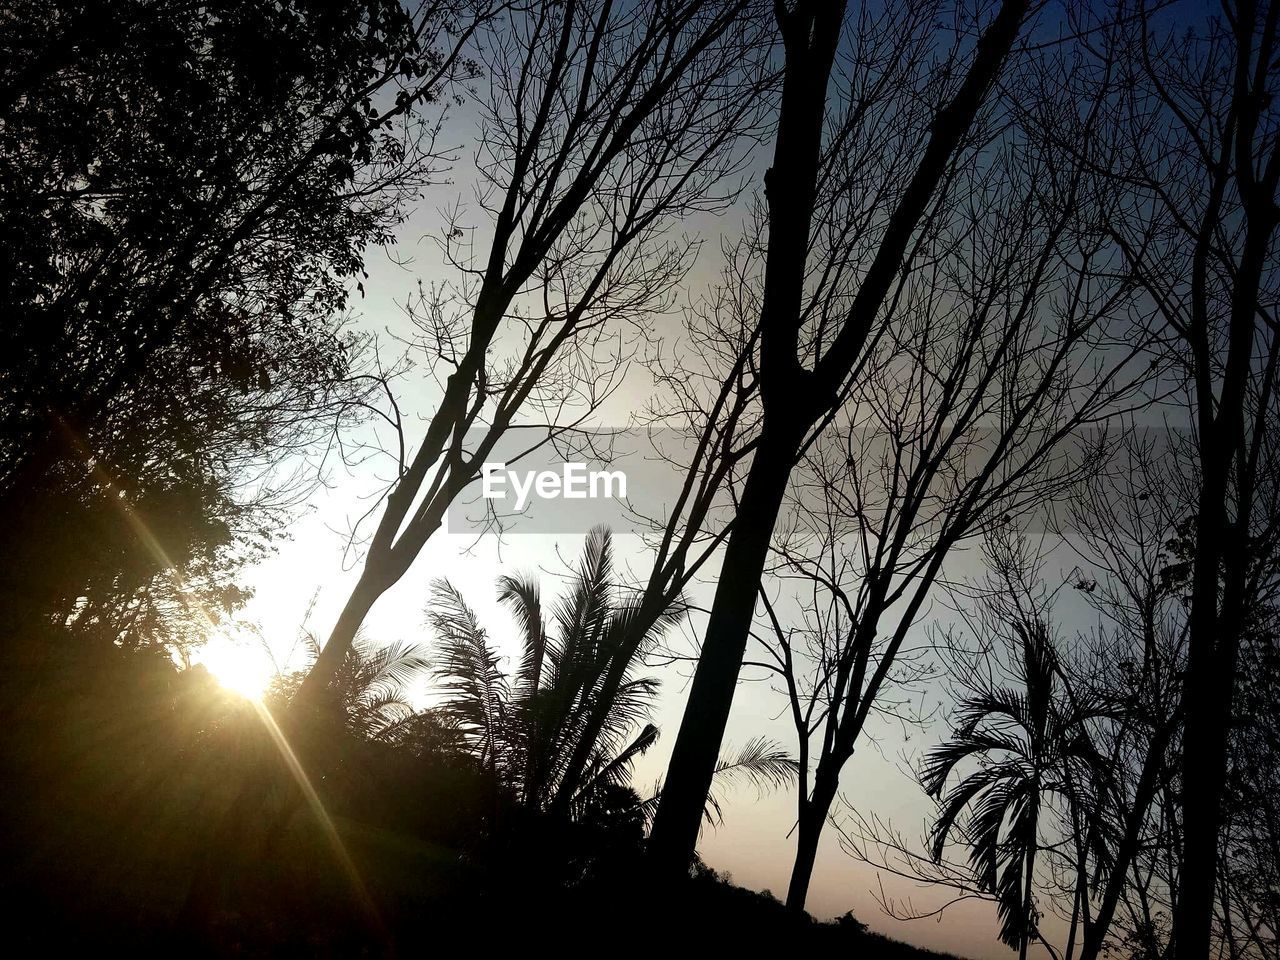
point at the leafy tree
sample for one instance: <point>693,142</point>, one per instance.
<point>564,732</point>
<point>186,196</point>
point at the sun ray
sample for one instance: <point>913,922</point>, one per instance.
<point>317,808</point>
<point>238,675</point>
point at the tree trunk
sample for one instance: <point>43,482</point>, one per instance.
<point>1208,690</point>
<point>809,832</point>
<point>810,32</point>
<point>1095,933</point>
<point>693,759</point>
<point>1028,899</point>
<point>1221,551</point>
<point>1076,900</point>
<point>793,397</point>
<point>1203,749</point>
<point>366,593</point>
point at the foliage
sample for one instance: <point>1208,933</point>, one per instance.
<point>760,764</point>
<point>529,727</point>
<point>186,195</point>
<point>371,694</point>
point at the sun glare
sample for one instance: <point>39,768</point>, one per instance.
<point>241,669</point>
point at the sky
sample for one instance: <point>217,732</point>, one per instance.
<point>305,582</point>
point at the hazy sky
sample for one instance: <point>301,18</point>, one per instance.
<point>752,844</point>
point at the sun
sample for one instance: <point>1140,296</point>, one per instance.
<point>240,668</point>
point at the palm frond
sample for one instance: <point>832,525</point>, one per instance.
<point>476,690</point>
<point>582,615</point>
<point>563,732</point>
<point>378,713</point>
<point>760,763</point>
<point>995,706</point>
<point>618,769</point>
<point>524,597</point>
<point>984,833</point>
<point>953,804</point>
<point>391,668</point>
<point>629,707</point>
<point>626,622</point>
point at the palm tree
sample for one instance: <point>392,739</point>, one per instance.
<point>572,720</point>
<point>564,732</point>
<point>370,692</point>
<point>1031,745</point>
<point>373,687</point>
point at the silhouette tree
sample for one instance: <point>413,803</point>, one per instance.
<point>1250,853</point>
<point>1031,742</point>
<point>830,337</point>
<point>1108,855</point>
<point>371,694</point>
<point>1197,125</point>
<point>603,126</point>
<point>188,195</point>
<point>528,729</point>
<point>574,694</point>
<point>966,416</point>
<point>1132,530</point>
<point>1124,525</point>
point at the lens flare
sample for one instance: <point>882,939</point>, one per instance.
<point>242,670</point>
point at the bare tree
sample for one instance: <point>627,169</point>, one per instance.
<point>1201,128</point>
<point>604,125</point>
<point>812,346</point>
<point>1112,850</point>
<point>1015,781</point>
<point>967,415</point>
